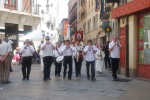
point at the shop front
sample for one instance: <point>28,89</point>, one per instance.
<point>143,68</point>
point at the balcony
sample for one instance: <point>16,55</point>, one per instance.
<point>72,19</point>
<point>10,4</point>
<point>83,2</point>
<point>83,14</point>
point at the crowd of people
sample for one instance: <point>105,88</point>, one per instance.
<point>96,57</point>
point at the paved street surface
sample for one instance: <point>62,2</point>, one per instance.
<point>76,89</point>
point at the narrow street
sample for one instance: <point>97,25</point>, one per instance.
<point>76,89</point>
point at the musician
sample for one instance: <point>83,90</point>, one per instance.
<point>67,53</point>
<point>57,52</point>
<point>78,58</point>
<point>47,48</point>
<point>27,53</point>
<point>114,48</point>
<point>89,52</point>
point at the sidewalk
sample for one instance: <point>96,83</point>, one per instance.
<point>76,89</point>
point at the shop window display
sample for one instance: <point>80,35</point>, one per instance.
<point>144,39</point>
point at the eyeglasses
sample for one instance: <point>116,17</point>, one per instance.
<point>47,39</point>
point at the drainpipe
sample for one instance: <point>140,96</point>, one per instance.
<point>127,45</point>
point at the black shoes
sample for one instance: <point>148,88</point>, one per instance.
<point>25,78</point>
<point>93,79</point>
<point>45,79</point>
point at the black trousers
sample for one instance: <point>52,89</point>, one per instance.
<point>68,61</point>
<point>115,65</point>
<point>26,66</point>
<point>77,67</point>
<point>57,67</point>
<point>92,63</point>
<point>47,66</point>
<point>107,62</point>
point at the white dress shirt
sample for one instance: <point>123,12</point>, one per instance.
<point>48,50</point>
<point>56,54</point>
<point>90,56</point>
<point>26,52</point>
<point>4,48</point>
<point>115,53</point>
<point>68,51</point>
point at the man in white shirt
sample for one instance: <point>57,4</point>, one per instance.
<point>114,48</point>
<point>89,52</point>
<point>67,53</point>
<point>27,52</point>
<point>5,65</point>
<point>78,58</point>
<point>57,52</point>
<point>47,48</point>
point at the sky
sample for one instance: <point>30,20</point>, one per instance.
<point>63,9</point>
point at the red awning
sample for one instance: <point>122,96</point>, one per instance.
<point>130,8</point>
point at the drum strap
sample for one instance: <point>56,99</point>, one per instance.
<point>58,51</point>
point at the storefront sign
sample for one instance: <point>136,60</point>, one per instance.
<point>102,9</point>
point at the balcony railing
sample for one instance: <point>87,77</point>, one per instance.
<point>10,4</point>
<point>83,2</point>
<point>72,19</point>
<point>83,14</point>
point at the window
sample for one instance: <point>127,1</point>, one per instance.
<point>89,3</point>
<point>84,28</point>
<point>12,2</point>
<point>144,39</point>
<point>79,15</point>
<point>79,2</point>
<point>6,1</point>
<point>88,26</point>
<point>94,23</point>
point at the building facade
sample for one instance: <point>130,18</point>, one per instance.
<point>88,20</point>
<point>72,17</point>
<point>48,10</point>
<point>63,27</point>
<point>133,18</point>
<point>17,17</point>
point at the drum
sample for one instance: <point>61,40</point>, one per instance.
<point>79,56</point>
<point>59,59</point>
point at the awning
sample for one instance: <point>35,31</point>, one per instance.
<point>130,8</point>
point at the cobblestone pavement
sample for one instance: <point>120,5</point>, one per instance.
<point>76,89</point>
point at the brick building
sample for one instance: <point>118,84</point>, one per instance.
<point>63,29</point>
<point>72,16</point>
